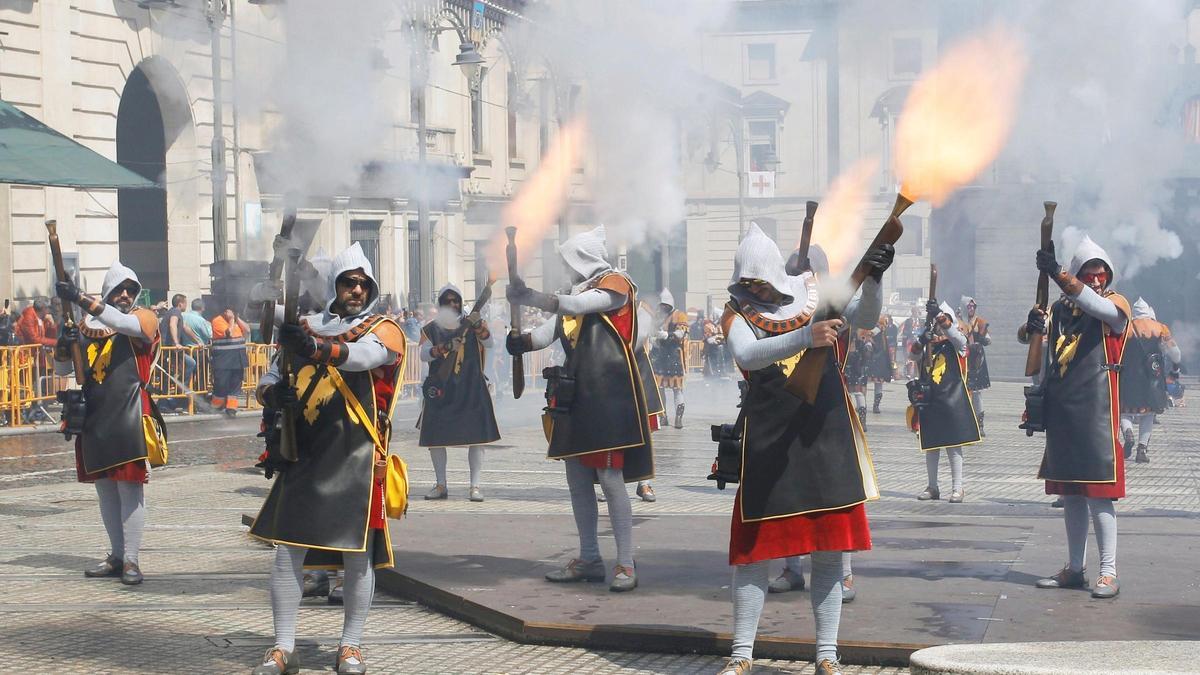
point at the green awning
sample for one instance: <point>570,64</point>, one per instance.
<point>32,153</point>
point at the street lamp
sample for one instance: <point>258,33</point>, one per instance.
<point>471,61</point>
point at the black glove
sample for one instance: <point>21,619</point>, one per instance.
<point>280,396</point>
<point>1046,262</point>
<point>932,308</point>
<point>926,337</point>
<point>1035,322</point>
<point>520,294</point>
<point>68,335</point>
<point>878,259</point>
<point>68,291</point>
<point>518,344</point>
<point>294,339</point>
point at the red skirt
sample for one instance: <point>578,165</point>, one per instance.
<point>841,530</point>
<point>1098,490</point>
<point>607,459</point>
<point>133,472</point>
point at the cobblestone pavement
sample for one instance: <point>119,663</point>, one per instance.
<point>204,606</point>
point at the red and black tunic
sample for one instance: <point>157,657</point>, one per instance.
<point>806,469</point>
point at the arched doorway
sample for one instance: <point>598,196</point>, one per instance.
<point>142,214</point>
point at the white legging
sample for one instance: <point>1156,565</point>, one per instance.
<point>287,586</point>
<point>1104,520</point>
<point>580,481</point>
<point>795,564</point>
<point>123,511</point>
<point>955,455</point>
<point>676,393</point>
<point>750,591</point>
<point>1145,426</point>
<point>474,460</point>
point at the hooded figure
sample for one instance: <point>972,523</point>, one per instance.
<point>1086,330</point>
<point>947,417</point>
<point>596,415</point>
<point>121,426</point>
<point>456,407</point>
<point>1149,354</point>
<point>805,470</point>
<point>669,352</point>
<point>325,509</point>
<point>976,329</point>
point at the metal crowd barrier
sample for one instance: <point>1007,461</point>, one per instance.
<point>693,355</point>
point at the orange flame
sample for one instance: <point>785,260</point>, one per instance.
<point>958,115</point>
<point>838,225</point>
<point>537,205</point>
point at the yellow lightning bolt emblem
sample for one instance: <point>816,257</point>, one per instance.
<point>1066,347</point>
<point>938,369</point>
<point>320,395</point>
<point>99,358</point>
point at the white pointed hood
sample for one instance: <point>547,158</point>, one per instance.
<point>116,275</point>
<point>327,323</point>
<point>948,310</point>
<point>759,258</point>
<point>1143,310</point>
<point>451,288</point>
<point>665,298</point>
<point>1087,251</point>
<point>587,255</point>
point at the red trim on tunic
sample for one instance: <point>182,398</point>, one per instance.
<point>384,378</point>
<point>136,471</point>
<point>1112,354</point>
<point>841,530</point>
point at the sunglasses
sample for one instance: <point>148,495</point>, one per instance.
<point>355,282</point>
<point>751,283</point>
<point>1090,278</point>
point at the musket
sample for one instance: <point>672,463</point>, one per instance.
<point>1033,361</point>
<point>805,377</point>
<point>799,263</point>
<point>484,296</point>
<point>68,307</point>
<point>518,361</point>
<point>287,375</point>
<point>282,246</point>
<point>930,322</point>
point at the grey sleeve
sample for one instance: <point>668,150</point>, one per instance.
<point>271,376</point>
<point>125,324</point>
<point>542,336</point>
<point>426,351</point>
<point>366,354</point>
<point>956,338</point>
<point>1171,351</point>
<point>863,311</point>
<point>590,302</point>
<point>1099,307</point>
<point>751,353</point>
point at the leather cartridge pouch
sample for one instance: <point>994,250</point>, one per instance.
<point>1035,410</point>
<point>727,467</point>
<point>74,410</point>
<point>918,393</point>
<point>560,391</point>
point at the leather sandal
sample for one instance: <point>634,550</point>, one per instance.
<point>578,570</point>
<point>278,662</point>
<point>350,661</point>
<point>111,566</point>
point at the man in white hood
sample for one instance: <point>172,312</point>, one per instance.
<point>1087,329</point>
<point>456,406</point>
<point>806,473</point>
<point>326,508</point>
<point>669,350</point>
<point>119,342</point>
<point>1150,353</point>
<point>596,410</point>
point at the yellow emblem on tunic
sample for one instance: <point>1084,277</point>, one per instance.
<point>99,358</point>
<point>1066,348</point>
<point>939,368</point>
<point>786,365</point>
<point>320,395</point>
<point>571,324</point>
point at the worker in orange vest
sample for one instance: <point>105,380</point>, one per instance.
<point>227,355</point>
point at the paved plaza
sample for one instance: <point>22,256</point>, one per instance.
<point>204,606</point>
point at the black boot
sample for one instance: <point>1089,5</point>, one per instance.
<point>679,416</point>
<point>982,433</point>
<point>878,400</point>
<point>862,417</point>
<point>1142,457</point>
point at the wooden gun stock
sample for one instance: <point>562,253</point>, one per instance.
<point>930,321</point>
<point>805,377</point>
<point>1033,360</point>
<point>518,361</point>
<point>287,375</point>
<point>266,324</point>
<point>60,271</point>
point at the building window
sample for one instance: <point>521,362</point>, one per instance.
<point>414,264</point>
<point>763,141</point>
<point>1191,120</point>
<point>366,233</point>
<point>760,62</point>
<point>478,119</point>
<point>512,97</point>
<point>906,56</point>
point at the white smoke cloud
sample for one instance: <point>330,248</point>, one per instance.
<point>634,59</point>
<point>1095,115</point>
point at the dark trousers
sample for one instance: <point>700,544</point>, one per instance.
<point>227,388</point>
